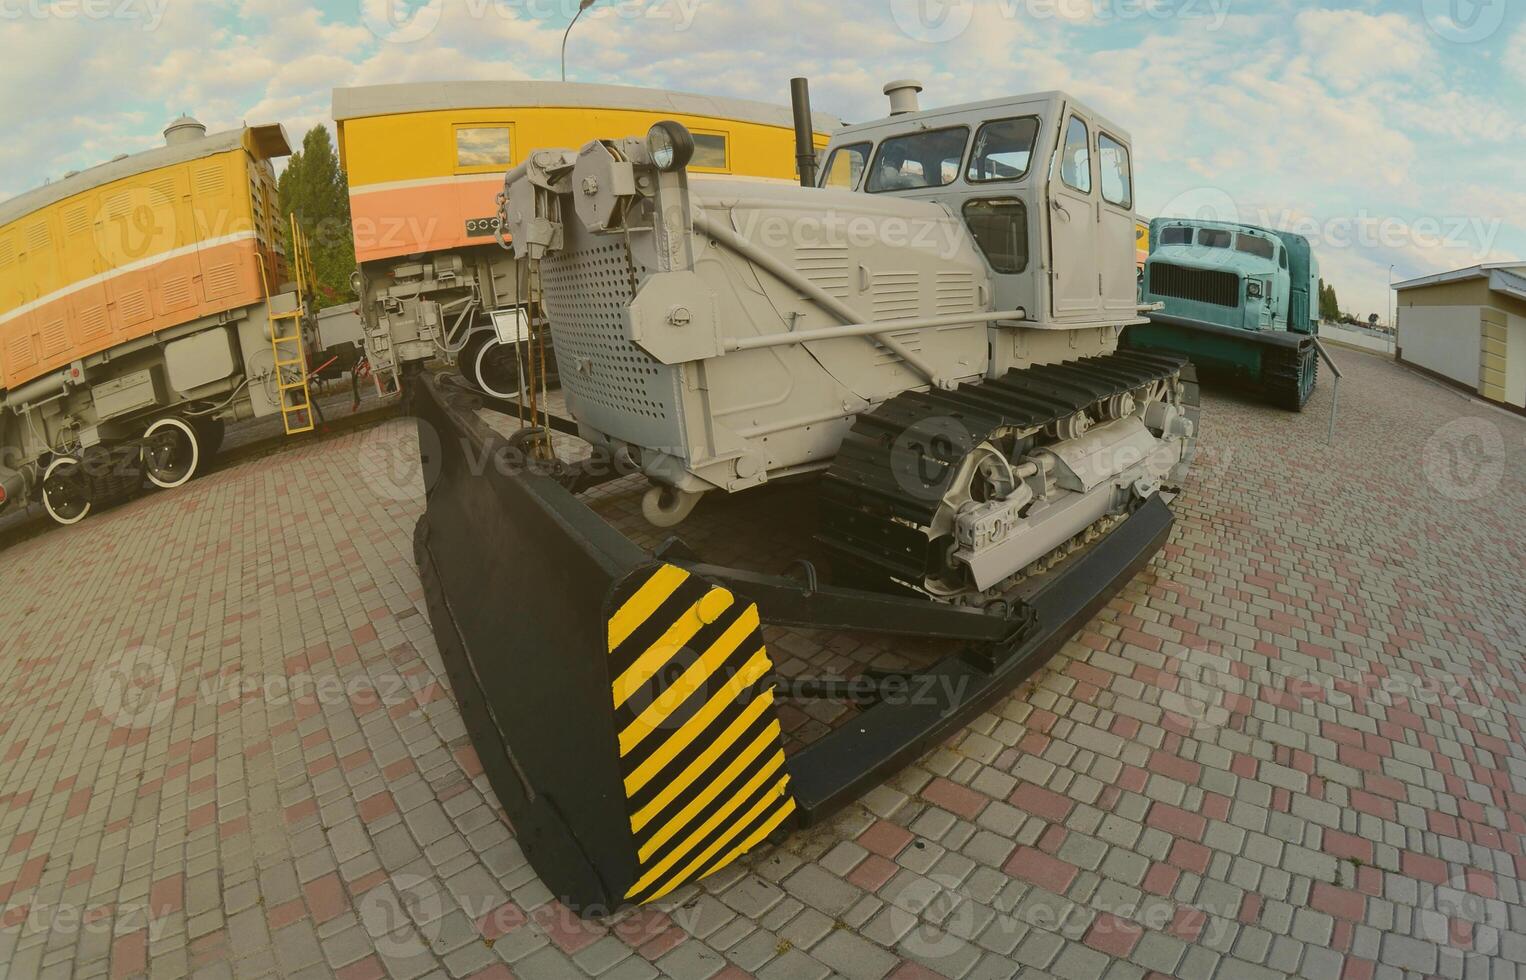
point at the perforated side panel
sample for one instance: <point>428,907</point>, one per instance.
<point>617,387</point>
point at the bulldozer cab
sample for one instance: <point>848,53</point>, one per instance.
<point>1043,184</point>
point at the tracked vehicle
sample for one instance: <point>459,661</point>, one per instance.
<point>1239,300</point>
<point>930,336</point>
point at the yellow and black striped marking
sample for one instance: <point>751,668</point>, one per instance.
<point>700,745</point>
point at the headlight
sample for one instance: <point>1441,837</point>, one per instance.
<point>671,145</point>
<point>1253,289</point>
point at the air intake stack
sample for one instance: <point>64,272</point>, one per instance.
<point>903,96</point>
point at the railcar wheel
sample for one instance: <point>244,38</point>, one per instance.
<point>66,491</point>
<point>171,452</point>
<point>495,369</point>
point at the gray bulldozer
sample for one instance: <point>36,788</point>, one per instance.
<point>926,331</point>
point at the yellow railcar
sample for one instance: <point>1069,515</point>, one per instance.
<point>425,163</point>
<point>136,308</point>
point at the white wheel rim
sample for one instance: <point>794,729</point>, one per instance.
<point>477,372</point>
<point>191,438</point>
<point>47,504</point>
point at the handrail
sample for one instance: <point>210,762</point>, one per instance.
<point>1335,403</point>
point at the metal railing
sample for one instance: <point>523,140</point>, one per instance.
<point>1335,403</point>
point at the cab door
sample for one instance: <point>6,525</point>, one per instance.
<point>1073,217</point>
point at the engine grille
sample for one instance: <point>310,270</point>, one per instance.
<point>1202,285</point>
<point>587,293</point>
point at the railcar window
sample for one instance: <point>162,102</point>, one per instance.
<point>710,152</point>
<point>1000,227</point>
<point>482,147</point>
<point>1251,245</point>
<point>1076,157</point>
<point>1113,161</point>
<point>928,159</point>
<point>1003,149</point>
<point>1176,236</point>
<point>846,166</point>
<point>1213,238</point>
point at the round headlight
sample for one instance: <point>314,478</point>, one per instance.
<point>671,145</point>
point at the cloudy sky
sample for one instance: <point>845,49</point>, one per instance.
<point>1390,132</point>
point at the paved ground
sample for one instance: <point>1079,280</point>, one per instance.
<point>1292,746</point>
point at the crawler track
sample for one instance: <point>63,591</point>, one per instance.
<point>896,464</point>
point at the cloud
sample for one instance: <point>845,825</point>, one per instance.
<point>1328,114</point>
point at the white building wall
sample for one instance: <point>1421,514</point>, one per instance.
<point>1444,339</point>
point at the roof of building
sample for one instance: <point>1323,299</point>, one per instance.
<point>385,100</point>
<point>269,140</point>
<point>1504,277</point>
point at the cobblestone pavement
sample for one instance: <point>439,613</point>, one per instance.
<point>1292,745</point>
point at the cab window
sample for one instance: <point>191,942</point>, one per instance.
<point>846,166</point>
<point>483,148</point>
<point>1213,238</point>
<point>1003,149</point>
<point>1176,236</point>
<point>1000,227</point>
<point>1113,162</point>
<point>1076,157</point>
<point>710,152</point>
<point>1252,245</point>
<point>928,159</point>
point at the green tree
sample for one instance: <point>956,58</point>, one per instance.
<point>1329,304</point>
<point>314,189</point>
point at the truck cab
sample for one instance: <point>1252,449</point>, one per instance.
<point>1230,275</point>
<point>1043,183</point>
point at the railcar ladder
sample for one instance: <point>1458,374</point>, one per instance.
<point>291,371</point>
<point>292,392</point>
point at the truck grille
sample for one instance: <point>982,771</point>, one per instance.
<point>1202,285</point>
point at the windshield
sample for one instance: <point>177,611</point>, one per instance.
<point>1255,245</point>
<point>919,160</point>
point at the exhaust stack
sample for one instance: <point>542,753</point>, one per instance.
<point>805,139</point>
<point>903,96</point>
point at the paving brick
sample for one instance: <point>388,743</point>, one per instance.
<point>1303,821</point>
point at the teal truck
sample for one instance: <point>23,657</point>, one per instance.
<point>1241,302</point>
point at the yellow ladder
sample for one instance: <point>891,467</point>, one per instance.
<point>293,394</point>
<point>291,372</point>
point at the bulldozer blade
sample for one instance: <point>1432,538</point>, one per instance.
<point>623,705</point>
<point>615,701</point>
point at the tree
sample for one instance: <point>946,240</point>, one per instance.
<point>1329,304</point>
<point>314,189</point>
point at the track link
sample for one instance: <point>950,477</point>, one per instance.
<point>898,461</point>
<point>1289,376</point>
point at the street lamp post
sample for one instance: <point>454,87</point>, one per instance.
<point>582,6</point>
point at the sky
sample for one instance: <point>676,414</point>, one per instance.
<point>1391,133</point>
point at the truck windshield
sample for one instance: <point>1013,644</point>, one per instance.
<point>919,160</point>
<point>1003,149</point>
<point>1213,238</point>
<point>1251,245</point>
<point>1176,236</point>
<point>846,166</point>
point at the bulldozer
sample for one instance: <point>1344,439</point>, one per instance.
<point>924,334</point>
<point>1239,300</point>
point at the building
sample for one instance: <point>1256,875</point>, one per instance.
<point>1468,327</point>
